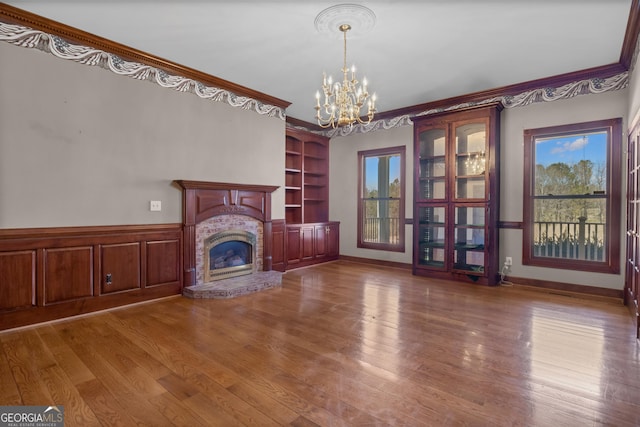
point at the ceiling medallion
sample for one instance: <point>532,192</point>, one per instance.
<point>360,18</point>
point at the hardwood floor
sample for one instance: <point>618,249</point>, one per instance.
<point>339,344</point>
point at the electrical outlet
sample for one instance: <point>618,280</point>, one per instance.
<point>508,261</point>
<point>155,205</point>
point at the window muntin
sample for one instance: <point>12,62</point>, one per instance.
<point>572,196</point>
<point>381,199</point>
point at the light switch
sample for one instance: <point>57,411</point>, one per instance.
<point>155,205</point>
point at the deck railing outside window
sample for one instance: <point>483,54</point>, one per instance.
<point>381,230</point>
<point>573,240</point>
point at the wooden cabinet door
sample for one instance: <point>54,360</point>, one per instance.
<point>294,245</point>
<point>307,241</point>
<point>278,246</point>
<point>321,240</point>
<point>333,240</point>
<point>632,270</point>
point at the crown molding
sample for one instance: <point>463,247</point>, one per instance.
<point>390,120</point>
<point>630,42</point>
<point>26,29</point>
<point>590,81</point>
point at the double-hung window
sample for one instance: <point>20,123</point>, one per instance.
<point>381,199</point>
<point>572,196</point>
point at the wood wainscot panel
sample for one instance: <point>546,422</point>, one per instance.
<point>278,245</point>
<point>68,274</point>
<point>17,280</point>
<point>120,267</point>
<point>53,273</point>
<point>163,262</point>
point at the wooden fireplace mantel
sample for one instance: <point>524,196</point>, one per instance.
<point>202,200</point>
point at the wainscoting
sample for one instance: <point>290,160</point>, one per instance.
<point>51,273</point>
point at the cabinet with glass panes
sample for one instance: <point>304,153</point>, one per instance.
<point>456,195</point>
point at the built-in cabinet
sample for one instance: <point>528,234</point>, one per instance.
<point>309,237</point>
<point>632,267</point>
<point>312,243</point>
<point>456,195</point>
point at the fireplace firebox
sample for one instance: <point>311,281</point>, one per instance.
<point>229,254</point>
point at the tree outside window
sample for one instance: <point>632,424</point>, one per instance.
<point>572,196</point>
<point>381,199</point>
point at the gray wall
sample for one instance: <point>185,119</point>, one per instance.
<point>344,180</point>
<point>81,146</point>
<point>343,190</point>
<point>578,109</point>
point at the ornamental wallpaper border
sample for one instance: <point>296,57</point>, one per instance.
<point>29,38</point>
<point>22,36</point>
<point>547,94</point>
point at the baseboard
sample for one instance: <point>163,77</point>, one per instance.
<point>566,288</point>
<point>534,284</point>
<point>377,262</point>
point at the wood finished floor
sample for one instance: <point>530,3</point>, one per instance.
<point>339,344</point>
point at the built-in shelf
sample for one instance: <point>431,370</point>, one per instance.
<point>308,237</point>
<point>306,177</point>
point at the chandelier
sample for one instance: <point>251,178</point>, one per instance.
<point>475,163</point>
<point>343,101</point>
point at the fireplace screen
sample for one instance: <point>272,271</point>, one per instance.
<point>228,254</point>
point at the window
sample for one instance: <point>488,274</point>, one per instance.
<point>572,196</point>
<point>381,199</point>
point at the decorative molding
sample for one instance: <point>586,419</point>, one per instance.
<point>629,53</point>
<point>512,225</point>
<point>22,36</point>
<point>546,94</point>
<point>378,262</point>
<point>360,18</point>
<point>568,289</point>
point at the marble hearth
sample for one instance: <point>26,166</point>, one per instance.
<point>211,208</point>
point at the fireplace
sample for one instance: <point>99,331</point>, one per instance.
<point>227,239</point>
<point>228,254</point>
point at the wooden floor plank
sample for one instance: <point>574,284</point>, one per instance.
<point>62,389</point>
<point>338,344</point>
<point>9,393</point>
<point>25,357</point>
<point>73,367</point>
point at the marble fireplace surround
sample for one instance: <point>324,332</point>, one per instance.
<point>203,201</point>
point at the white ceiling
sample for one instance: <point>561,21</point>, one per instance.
<point>418,51</point>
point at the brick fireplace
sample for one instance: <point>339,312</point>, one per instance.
<point>227,239</point>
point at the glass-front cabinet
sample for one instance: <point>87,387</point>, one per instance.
<point>432,237</point>
<point>469,230</point>
<point>432,157</point>
<point>456,195</point>
<point>470,149</point>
